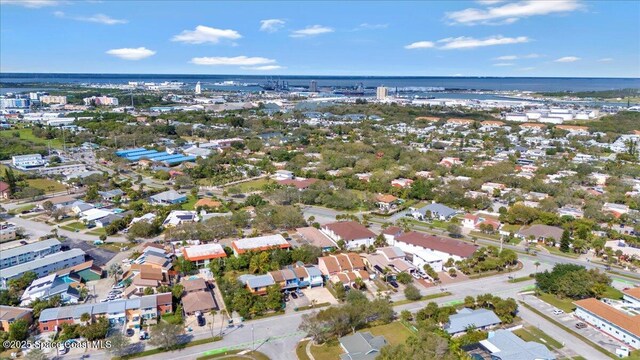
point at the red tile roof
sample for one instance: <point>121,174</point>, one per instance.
<point>350,230</point>
<point>442,244</point>
<point>623,320</point>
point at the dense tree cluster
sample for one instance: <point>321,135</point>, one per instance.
<point>573,281</point>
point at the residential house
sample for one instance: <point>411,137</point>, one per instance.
<point>5,190</point>
<point>147,307</point>
<point>390,258</point>
<point>316,238</point>
<point>201,255</point>
<point>170,197</point>
<point>352,233</point>
<point>282,175</point>
<point>542,233</point>
<point>387,202</point>
<point>361,346</point>
<point>505,345</point>
<point>197,297</point>
<point>479,222</point>
<point>450,161</point>
<point>298,183</point>
<point>49,286</point>
<point>177,217</point>
<point>343,267</point>
<point>433,250</point>
<point>616,210</point>
<point>390,233</point>
<point>111,195</point>
<point>257,284</point>
<point>570,211</point>
<point>480,319</point>
<point>259,243</point>
<point>436,211</point>
<point>79,207</point>
<point>401,183</point>
<point>616,322</point>
<point>11,314</point>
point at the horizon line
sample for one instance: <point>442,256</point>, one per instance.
<point>326,76</point>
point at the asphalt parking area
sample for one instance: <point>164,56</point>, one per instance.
<point>569,320</point>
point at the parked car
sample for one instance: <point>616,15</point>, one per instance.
<point>201,320</point>
<point>144,335</point>
<point>558,312</point>
<point>23,242</point>
<point>394,284</point>
<point>130,332</point>
<point>581,325</point>
<point>294,295</point>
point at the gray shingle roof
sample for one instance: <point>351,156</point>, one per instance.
<point>362,346</point>
<point>435,208</point>
<point>511,347</point>
<point>35,246</point>
<point>466,317</point>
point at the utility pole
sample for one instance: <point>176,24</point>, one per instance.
<point>253,345</point>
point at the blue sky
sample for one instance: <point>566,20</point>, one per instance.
<point>448,38</point>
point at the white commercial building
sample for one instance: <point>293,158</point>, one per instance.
<point>26,253</point>
<point>43,266</point>
<point>27,161</point>
<point>615,322</point>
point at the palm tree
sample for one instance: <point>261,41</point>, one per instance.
<point>85,318</point>
<point>536,264</point>
<point>114,270</point>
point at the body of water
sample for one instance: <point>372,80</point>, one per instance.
<point>462,83</point>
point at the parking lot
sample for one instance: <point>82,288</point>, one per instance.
<point>569,320</point>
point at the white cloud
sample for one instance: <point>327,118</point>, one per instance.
<point>464,42</point>
<point>311,31</point>
<point>516,57</point>
<point>131,53</point>
<point>97,18</point>
<point>507,57</point>
<point>567,59</point>
<point>511,12</point>
<point>205,34</point>
<point>263,68</point>
<point>367,26</point>
<point>527,68</point>
<point>34,4</point>
<point>605,60</point>
<point>489,2</point>
<point>503,64</point>
<point>232,61</point>
<point>420,45</point>
<point>271,25</point>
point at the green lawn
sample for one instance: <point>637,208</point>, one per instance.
<point>191,202</point>
<point>77,225</point>
<point>565,305</point>
<point>301,350</point>
<point>26,134</point>
<point>252,185</point>
<point>521,279</point>
<point>395,333</point>
<point>537,335</point>
<point>556,251</point>
<point>97,232</point>
<point>22,208</point>
<point>612,293</point>
<point>511,228</point>
<point>330,350</point>
<point>46,185</point>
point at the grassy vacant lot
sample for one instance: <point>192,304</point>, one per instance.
<point>395,333</point>
<point>565,305</point>
<point>537,335</point>
<point>26,134</point>
<point>253,185</point>
<point>46,185</point>
<point>97,232</point>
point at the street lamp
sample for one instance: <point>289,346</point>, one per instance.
<point>253,345</point>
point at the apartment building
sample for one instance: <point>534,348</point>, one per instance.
<point>26,253</point>
<point>43,266</point>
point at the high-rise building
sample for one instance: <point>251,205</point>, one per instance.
<point>313,87</point>
<point>198,90</point>
<point>382,92</point>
